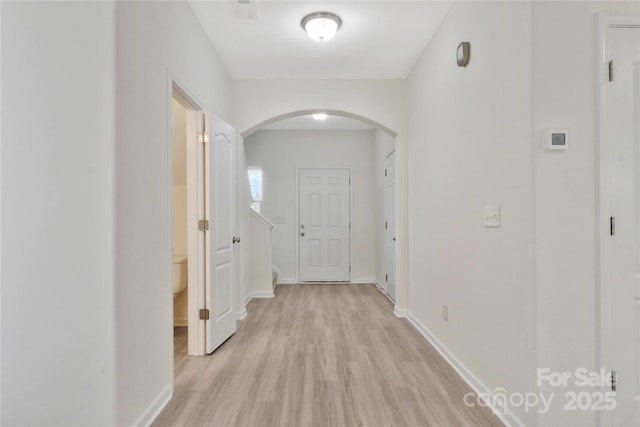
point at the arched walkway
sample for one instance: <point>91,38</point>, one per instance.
<point>339,113</point>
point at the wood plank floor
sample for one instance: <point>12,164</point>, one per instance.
<point>320,355</point>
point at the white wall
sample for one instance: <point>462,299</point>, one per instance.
<point>179,136</point>
<point>279,153</point>
<point>565,189</point>
<point>243,206</point>
<point>256,101</point>
<point>0,211</point>
<point>154,39</point>
<point>180,307</point>
<point>180,220</point>
<point>474,139</point>
<point>470,145</point>
<point>260,279</point>
<point>58,136</point>
<point>384,144</point>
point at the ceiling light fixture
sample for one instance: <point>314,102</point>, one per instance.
<point>321,26</point>
<point>319,116</point>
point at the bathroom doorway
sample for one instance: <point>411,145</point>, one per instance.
<point>180,274</point>
<point>187,249</point>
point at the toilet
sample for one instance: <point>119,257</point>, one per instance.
<point>179,274</point>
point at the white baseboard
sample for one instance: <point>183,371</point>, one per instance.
<point>400,312</point>
<point>256,294</point>
<point>503,413</point>
<point>260,294</point>
<point>363,280</point>
<point>383,291</point>
<point>240,315</point>
<point>180,321</point>
<point>357,281</point>
<point>153,410</point>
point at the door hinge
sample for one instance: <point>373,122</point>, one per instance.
<point>204,314</point>
<point>386,225</point>
<point>386,277</point>
<point>385,172</point>
<point>203,225</point>
<point>349,269</point>
<point>203,136</point>
<point>610,71</point>
<point>349,225</point>
<point>612,226</point>
<point>614,380</point>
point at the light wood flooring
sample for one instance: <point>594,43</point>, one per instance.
<point>320,355</point>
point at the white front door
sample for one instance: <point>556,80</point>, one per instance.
<point>219,240</point>
<point>390,223</point>
<point>620,228</point>
<point>324,227</point>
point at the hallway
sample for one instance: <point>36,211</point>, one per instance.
<point>322,355</point>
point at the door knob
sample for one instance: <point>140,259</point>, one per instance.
<point>236,239</point>
<point>394,238</point>
<point>302,234</point>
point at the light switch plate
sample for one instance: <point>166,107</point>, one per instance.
<point>492,216</point>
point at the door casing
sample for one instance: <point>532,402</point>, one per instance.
<point>178,90</point>
<point>390,255</point>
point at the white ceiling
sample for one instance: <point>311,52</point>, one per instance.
<point>309,123</point>
<point>264,39</point>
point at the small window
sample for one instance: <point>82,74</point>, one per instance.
<point>255,181</point>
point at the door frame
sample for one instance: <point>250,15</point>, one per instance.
<point>297,226</point>
<point>395,216</point>
<point>604,21</point>
<point>196,286</point>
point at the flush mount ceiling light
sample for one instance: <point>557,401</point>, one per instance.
<point>321,26</point>
<point>319,116</point>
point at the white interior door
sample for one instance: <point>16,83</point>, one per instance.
<point>220,321</point>
<point>620,232</point>
<point>324,228</point>
<point>390,223</point>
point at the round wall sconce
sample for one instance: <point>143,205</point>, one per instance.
<point>463,54</point>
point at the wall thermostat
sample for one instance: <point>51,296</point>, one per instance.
<point>556,139</point>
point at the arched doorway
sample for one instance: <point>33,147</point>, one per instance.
<point>282,146</point>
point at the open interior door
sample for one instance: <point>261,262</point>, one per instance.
<point>218,138</point>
